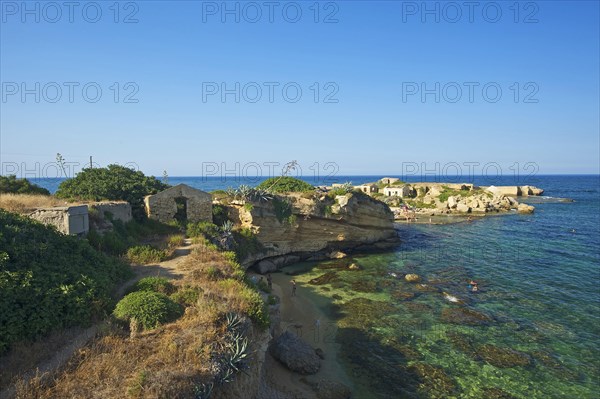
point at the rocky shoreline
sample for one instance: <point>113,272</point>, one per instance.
<point>407,200</point>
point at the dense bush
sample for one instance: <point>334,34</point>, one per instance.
<point>49,280</point>
<point>285,184</point>
<point>148,308</point>
<point>125,235</point>
<point>144,254</point>
<point>155,284</point>
<point>114,182</point>
<point>205,229</point>
<point>250,299</point>
<point>219,214</point>
<point>186,296</point>
<point>11,185</point>
<point>246,243</point>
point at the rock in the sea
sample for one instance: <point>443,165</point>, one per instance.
<point>328,389</point>
<point>524,208</point>
<point>434,382</point>
<point>412,278</point>
<point>336,255</point>
<point>465,316</point>
<point>295,354</point>
<point>496,393</point>
<point>324,279</point>
<point>353,266</point>
<point>503,357</point>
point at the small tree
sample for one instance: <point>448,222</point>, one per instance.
<point>116,183</point>
<point>11,185</point>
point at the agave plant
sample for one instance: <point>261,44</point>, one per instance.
<point>261,195</point>
<point>227,227</point>
<point>231,192</point>
<point>233,321</point>
<point>203,391</point>
<point>347,187</point>
<point>244,192</point>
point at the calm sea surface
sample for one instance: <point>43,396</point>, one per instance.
<point>533,330</point>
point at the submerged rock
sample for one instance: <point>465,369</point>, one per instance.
<point>412,278</point>
<point>324,279</point>
<point>295,354</point>
<point>353,266</point>
<point>503,357</point>
<point>466,316</point>
<point>435,383</point>
<point>365,286</point>
<point>496,393</point>
<point>402,295</point>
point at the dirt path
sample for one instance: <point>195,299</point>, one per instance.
<point>71,344</point>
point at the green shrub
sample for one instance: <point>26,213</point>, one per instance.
<point>206,229</point>
<point>246,243</point>
<point>155,284</point>
<point>248,206</point>
<point>285,184</point>
<point>187,296</point>
<point>219,213</point>
<point>176,240</point>
<point>49,280</point>
<point>114,182</point>
<point>11,185</point>
<point>149,309</point>
<point>143,254</point>
<point>282,208</point>
<point>213,273</point>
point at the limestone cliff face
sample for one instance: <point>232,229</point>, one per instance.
<point>298,227</point>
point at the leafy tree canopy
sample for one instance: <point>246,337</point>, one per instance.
<point>115,182</point>
<point>285,184</point>
<point>11,185</point>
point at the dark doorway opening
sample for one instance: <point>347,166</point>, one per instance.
<point>181,214</point>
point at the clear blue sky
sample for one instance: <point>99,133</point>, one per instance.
<point>373,55</point>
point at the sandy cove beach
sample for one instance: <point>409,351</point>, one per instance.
<point>299,315</point>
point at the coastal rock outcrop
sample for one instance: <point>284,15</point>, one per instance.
<point>295,354</point>
<point>304,226</point>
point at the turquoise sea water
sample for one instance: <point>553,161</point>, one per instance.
<point>533,330</point>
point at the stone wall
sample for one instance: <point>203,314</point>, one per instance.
<point>119,210</point>
<point>68,220</point>
<point>163,206</point>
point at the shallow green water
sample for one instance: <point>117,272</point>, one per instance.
<point>531,332</point>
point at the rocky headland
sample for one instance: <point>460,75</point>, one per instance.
<point>434,199</point>
<point>295,227</point>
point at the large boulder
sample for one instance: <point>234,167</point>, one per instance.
<point>452,202</point>
<point>463,208</point>
<point>295,354</point>
<point>266,266</point>
<point>524,208</point>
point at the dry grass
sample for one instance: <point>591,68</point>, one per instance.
<point>26,203</point>
<point>167,362</point>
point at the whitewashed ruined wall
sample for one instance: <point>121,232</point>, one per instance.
<point>68,220</point>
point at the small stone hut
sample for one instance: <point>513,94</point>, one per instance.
<point>71,220</point>
<point>180,202</point>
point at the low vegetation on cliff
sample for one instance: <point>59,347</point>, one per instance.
<point>284,184</point>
